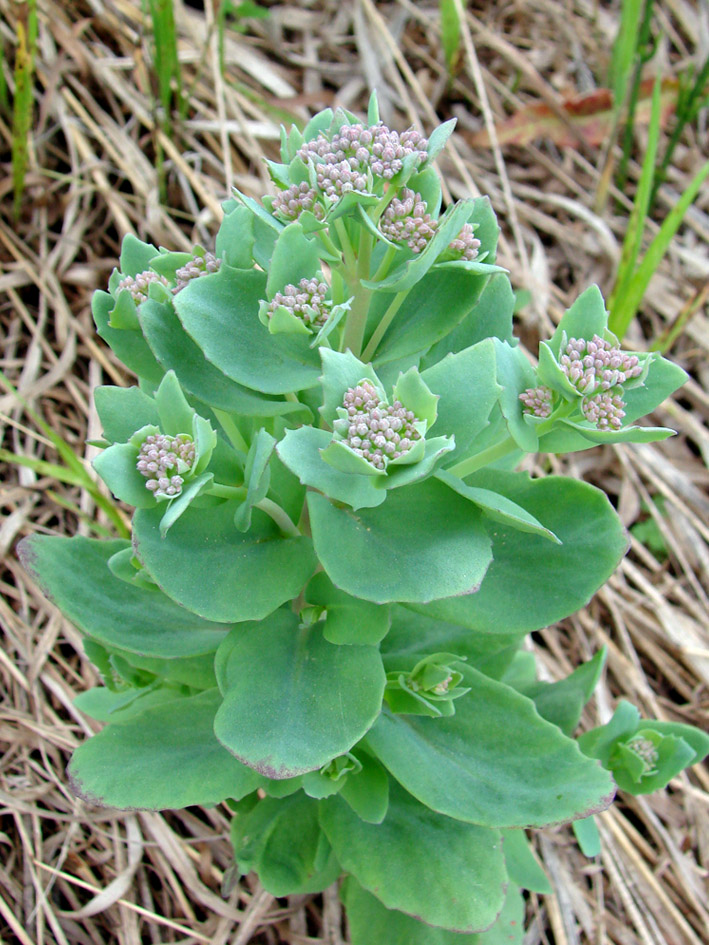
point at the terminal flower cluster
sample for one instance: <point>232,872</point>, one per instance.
<point>604,409</point>
<point>138,285</point>
<point>292,201</point>
<point>645,749</point>
<point>406,220</point>
<point>537,401</point>
<point>596,364</point>
<point>198,266</point>
<point>345,160</point>
<point>305,300</point>
<point>162,458</point>
<point>377,432</point>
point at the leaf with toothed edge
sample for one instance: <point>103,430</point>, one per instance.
<point>164,757</point>
<point>292,700</point>
<point>496,762</point>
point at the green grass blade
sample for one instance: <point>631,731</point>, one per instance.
<point>450,34</point>
<point>622,314</point>
<point>624,48</point>
<point>23,101</point>
<point>167,63</point>
<point>636,223</point>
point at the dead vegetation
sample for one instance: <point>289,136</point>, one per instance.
<point>104,161</point>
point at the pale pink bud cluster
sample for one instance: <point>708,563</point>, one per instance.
<point>465,244</point>
<point>305,300</point>
<point>344,160</point>
<point>596,364</point>
<point>198,266</point>
<point>405,221</point>
<point>537,401</point>
<point>605,410</point>
<point>290,203</point>
<point>138,285</point>
<point>377,432</point>
<point>161,458</point>
<point>646,752</point>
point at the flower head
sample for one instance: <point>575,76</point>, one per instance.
<point>377,432</point>
<point>197,266</point>
<point>138,285</point>
<point>597,365</point>
<point>306,301</point>
<point>604,409</point>
<point>537,401</point>
<point>161,459</point>
<point>294,200</point>
<point>405,220</point>
<point>465,244</point>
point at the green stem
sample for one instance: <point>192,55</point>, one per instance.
<point>347,250</point>
<point>468,466</point>
<point>324,237</point>
<point>381,328</point>
<point>385,264</point>
<point>232,431</point>
<point>357,316</point>
<point>227,492</point>
<point>279,516</point>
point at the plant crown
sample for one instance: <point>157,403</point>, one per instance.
<point>333,561</point>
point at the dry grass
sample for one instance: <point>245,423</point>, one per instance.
<point>71,874</point>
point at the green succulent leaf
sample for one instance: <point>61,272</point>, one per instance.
<point>167,756</point>
<point>123,410</point>
<point>221,315</point>
<point>460,866</point>
<point>213,570</point>
<point>441,546</point>
<point>533,582</point>
<point>282,841</point>
<point>463,767</point>
<point>271,717</point>
<point>522,865</point>
<point>562,702</point>
<point>74,574</point>
<point>129,346</point>
<point>349,621</point>
<point>370,921</point>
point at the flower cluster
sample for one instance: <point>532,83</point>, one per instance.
<point>290,203</point>
<point>198,266</point>
<point>306,301</point>
<point>138,285</point>
<point>604,409</point>
<point>465,244</point>
<point>377,432</point>
<point>596,364</point>
<point>345,160</point>
<point>537,401</point>
<point>645,750</point>
<point>405,220</point>
<point>162,458</point>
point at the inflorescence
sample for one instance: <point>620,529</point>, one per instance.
<point>646,751</point>
<point>377,432</point>
<point>405,220</point>
<point>293,201</point>
<point>161,460</point>
<point>344,162</point>
<point>305,300</point>
<point>198,266</point>
<point>138,285</point>
<point>597,369</point>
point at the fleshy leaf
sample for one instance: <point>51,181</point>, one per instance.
<point>523,867</point>
<point>129,346</point>
<point>496,762</point>
<point>74,574</point>
<point>165,757</point>
<point>460,866</point>
<point>271,718</point>
<point>294,258</point>
<point>370,921</point>
<point>123,410</point>
<point>441,546</point>
<point>349,620</point>
<point>221,314</point>
<point>562,702</point>
<point>532,582</point>
<point>210,568</point>
<point>300,451</point>
<point>282,841</point>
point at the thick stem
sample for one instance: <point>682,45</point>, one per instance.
<point>279,516</point>
<point>381,328</point>
<point>468,466</point>
<point>385,264</point>
<point>357,316</point>
<point>347,251</point>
